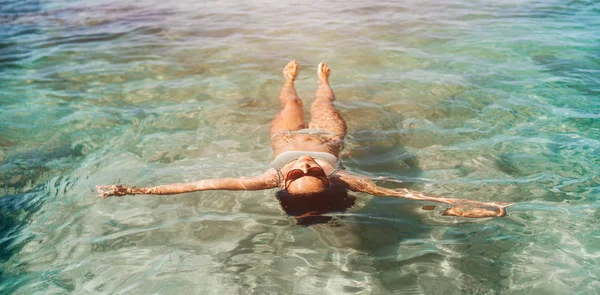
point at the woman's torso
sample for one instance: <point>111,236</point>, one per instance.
<point>306,140</point>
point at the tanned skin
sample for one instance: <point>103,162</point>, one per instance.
<point>325,117</point>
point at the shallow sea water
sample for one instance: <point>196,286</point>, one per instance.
<point>477,99</point>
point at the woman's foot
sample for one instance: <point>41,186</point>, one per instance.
<point>323,73</point>
<point>290,72</point>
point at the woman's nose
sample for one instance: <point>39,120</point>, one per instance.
<point>304,167</point>
<point>306,158</point>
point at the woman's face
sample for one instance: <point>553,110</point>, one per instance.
<point>306,176</point>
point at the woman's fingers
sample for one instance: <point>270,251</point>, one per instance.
<point>105,191</point>
<point>473,210</point>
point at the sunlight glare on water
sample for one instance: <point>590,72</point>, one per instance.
<point>493,101</point>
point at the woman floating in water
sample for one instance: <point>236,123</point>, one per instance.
<point>306,165</point>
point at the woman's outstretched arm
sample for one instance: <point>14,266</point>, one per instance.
<point>264,181</point>
<point>462,207</point>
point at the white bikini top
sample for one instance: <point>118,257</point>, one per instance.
<point>289,156</point>
<point>286,157</point>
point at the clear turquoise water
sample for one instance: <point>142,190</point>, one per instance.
<point>474,99</point>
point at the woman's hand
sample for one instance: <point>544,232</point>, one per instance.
<point>475,209</point>
<point>105,191</point>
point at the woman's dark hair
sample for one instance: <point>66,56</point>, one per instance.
<point>309,208</point>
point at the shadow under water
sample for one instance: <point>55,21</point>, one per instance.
<point>29,178</point>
